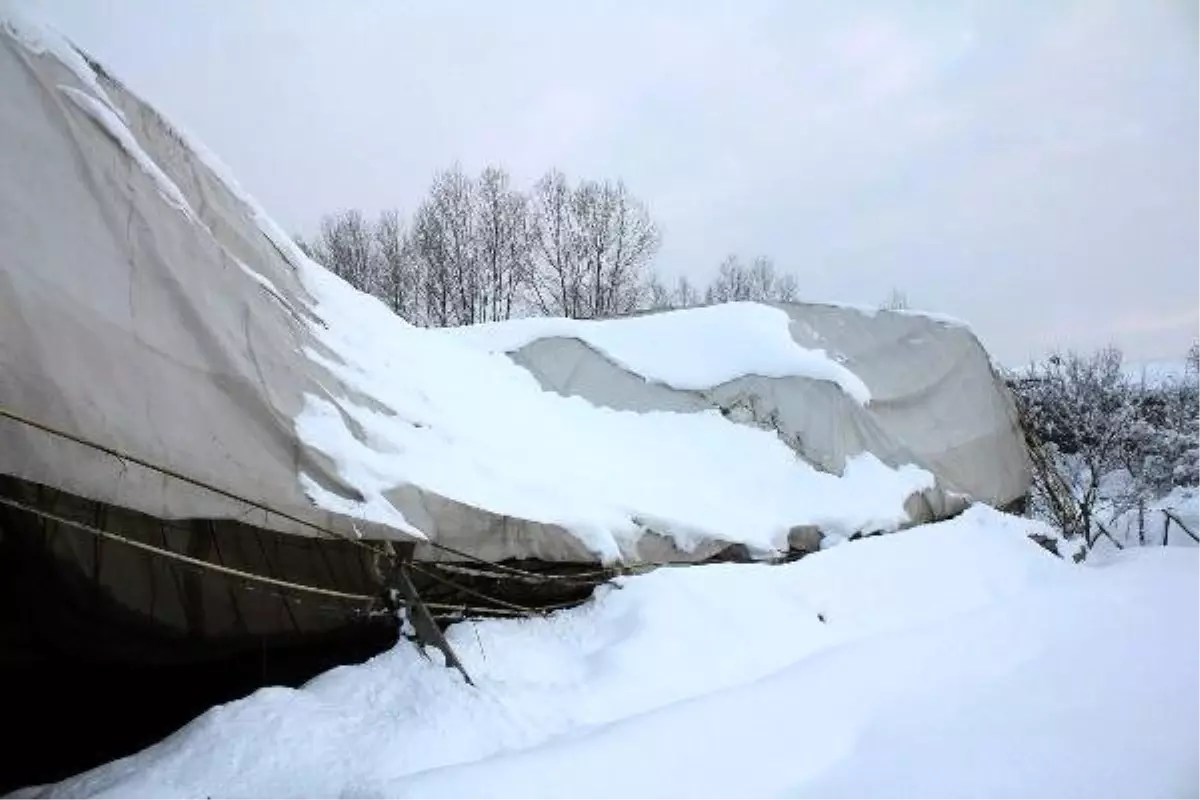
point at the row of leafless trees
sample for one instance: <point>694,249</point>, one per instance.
<point>477,249</point>
<point>735,280</point>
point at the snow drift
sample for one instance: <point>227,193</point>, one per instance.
<point>956,659</point>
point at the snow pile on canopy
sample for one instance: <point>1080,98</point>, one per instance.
<point>830,381</point>
<point>227,356</point>
<point>955,659</point>
<point>474,427</point>
<point>696,348</point>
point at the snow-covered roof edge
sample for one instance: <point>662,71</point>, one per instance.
<point>873,311</point>
<point>39,37</point>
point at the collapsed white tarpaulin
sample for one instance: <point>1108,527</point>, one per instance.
<point>149,305</point>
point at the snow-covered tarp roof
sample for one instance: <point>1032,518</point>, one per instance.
<point>189,331</point>
<point>831,381</point>
<point>695,348</point>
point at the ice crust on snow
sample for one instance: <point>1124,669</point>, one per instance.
<point>689,349</point>
<point>955,659</point>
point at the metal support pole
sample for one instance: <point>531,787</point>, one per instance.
<point>401,593</point>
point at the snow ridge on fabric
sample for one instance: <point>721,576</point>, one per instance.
<point>696,348</point>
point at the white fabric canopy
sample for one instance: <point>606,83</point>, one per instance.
<point>147,305</point>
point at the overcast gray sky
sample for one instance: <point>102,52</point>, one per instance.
<point>1030,167</point>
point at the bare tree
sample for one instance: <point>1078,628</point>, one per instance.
<point>399,278</point>
<point>656,297</point>
<point>786,287</point>
<point>520,243</point>
<point>479,250</point>
<point>454,198</point>
<point>470,244</point>
<point>444,246</point>
<point>762,278</point>
<point>684,295</point>
<point>345,247</point>
<point>591,248</point>
<point>731,284</point>
<point>430,250</point>
<point>633,240</point>
<point>557,280</point>
<point>502,231</point>
<point>895,301</point>
<point>759,282</point>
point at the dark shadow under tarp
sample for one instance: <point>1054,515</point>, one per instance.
<point>105,650</point>
<point>67,715</point>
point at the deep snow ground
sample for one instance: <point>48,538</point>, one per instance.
<point>950,659</point>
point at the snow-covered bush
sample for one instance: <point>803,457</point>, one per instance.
<point>1107,447</point>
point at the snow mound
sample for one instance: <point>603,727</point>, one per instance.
<point>690,349</point>
<point>948,660</point>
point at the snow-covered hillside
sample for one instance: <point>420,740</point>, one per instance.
<point>954,659</point>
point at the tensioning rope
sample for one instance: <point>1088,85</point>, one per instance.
<point>167,471</point>
<point>171,473</point>
<point>415,567</point>
<point>196,562</point>
<point>365,601</point>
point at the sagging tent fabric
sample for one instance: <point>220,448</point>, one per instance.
<point>180,330</point>
<point>126,322</point>
<point>936,400</point>
<point>129,321</point>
